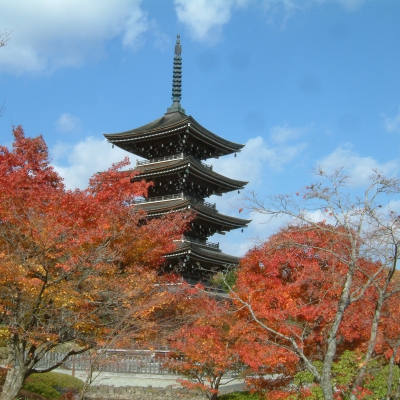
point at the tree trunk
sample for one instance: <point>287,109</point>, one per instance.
<point>326,373</point>
<point>14,381</point>
<point>371,346</point>
<point>326,385</point>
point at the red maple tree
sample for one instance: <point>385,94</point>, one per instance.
<point>361,251</point>
<point>288,293</point>
<point>72,263</point>
<point>204,348</point>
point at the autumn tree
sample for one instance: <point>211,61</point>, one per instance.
<point>72,263</point>
<point>161,310</point>
<point>324,283</point>
<point>204,348</point>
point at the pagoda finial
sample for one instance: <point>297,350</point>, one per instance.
<point>177,79</point>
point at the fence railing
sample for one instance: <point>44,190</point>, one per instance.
<point>138,364</point>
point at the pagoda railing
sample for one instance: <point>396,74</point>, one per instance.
<point>209,166</point>
<point>199,241</point>
<point>161,159</point>
<point>175,196</point>
<point>158,198</point>
<point>169,158</point>
<point>201,202</point>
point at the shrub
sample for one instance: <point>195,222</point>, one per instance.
<point>57,379</point>
<point>42,389</point>
<point>51,384</point>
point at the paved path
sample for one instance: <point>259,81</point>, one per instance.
<point>144,380</point>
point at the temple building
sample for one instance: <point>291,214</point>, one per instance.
<point>174,148</point>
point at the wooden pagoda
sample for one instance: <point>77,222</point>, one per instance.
<point>174,147</point>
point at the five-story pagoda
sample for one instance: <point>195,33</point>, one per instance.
<point>174,147</point>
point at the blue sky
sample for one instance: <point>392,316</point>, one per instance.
<point>301,82</point>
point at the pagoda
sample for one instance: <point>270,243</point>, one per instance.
<point>174,148</point>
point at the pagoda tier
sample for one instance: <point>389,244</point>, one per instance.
<point>208,220</point>
<point>173,133</point>
<point>180,173</point>
<point>194,259</point>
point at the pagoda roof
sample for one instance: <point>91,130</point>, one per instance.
<point>202,254</point>
<point>206,211</point>
<point>170,124</point>
<point>195,168</point>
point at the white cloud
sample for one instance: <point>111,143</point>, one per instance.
<point>257,154</point>
<point>291,6</point>
<point>134,27</point>
<point>77,163</point>
<point>206,18</point>
<point>161,40</point>
<point>392,124</point>
<point>51,34</point>
<point>260,228</point>
<point>68,123</point>
<point>358,168</point>
<point>250,161</point>
<point>253,161</point>
<point>282,134</point>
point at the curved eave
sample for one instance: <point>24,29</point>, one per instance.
<point>201,254</point>
<point>169,120</point>
<point>156,209</point>
<point>151,171</point>
<point>195,127</point>
<point>167,125</point>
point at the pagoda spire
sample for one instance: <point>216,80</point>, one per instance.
<point>177,79</point>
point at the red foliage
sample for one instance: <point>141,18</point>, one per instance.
<point>72,262</point>
<point>205,347</point>
<point>292,283</point>
<point>388,342</point>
